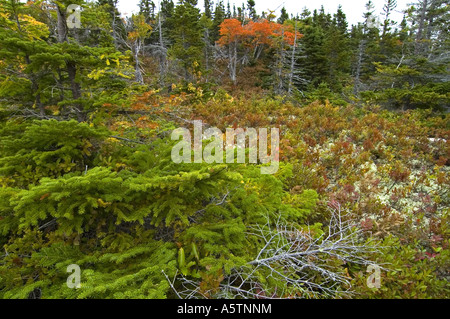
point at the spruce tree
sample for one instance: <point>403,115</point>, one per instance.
<point>366,37</point>
<point>118,218</point>
<point>252,15</point>
<point>208,9</point>
<point>187,35</point>
<point>147,9</point>
<point>337,47</point>
<point>283,16</point>
<point>228,13</point>
<point>219,17</point>
<point>410,74</point>
<point>167,22</point>
<point>314,61</point>
<point>117,25</point>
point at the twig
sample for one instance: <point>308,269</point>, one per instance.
<point>171,284</point>
<point>128,140</point>
<point>50,223</point>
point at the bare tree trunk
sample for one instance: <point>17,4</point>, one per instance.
<point>356,88</point>
<point>291,73</point>
<point>429,31</point>
<point>114,32</point>
<point>62,25</point>
<point>279,67</point>
<point>207,49</point>
<point>138,72</point>
<point>258,51</point>
<point>71,66</point>
<point>232,52</point>
<point>76,90</point>
<point>162,55</point>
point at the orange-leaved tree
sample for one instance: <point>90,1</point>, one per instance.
<point>231,34</point>
<point>256,36</point>
<point>262,33</point>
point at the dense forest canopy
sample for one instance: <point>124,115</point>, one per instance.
<point>88,101</point>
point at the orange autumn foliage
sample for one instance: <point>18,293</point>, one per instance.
<point>231,30</point>
<point>262,32</point>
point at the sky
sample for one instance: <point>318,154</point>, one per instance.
<point>354,9</point>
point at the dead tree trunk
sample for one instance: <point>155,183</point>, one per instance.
<point>292,69</point>
<point>71,66</point>
<point>359,62</point>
